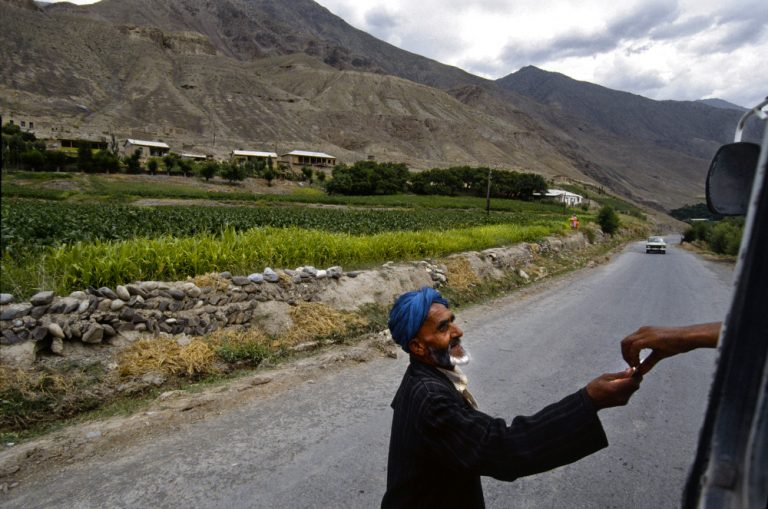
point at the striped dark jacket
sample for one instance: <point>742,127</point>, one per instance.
<point>440,445</point>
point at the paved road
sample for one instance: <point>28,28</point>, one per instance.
<point>324,443</point>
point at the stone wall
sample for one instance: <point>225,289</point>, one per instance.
<point>150,308</point>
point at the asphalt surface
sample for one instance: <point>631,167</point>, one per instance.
<point>324,443</point>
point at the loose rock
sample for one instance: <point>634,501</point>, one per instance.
<point>41,298</point>
<point>123,293</point>
<point>271,276</point>
<point>94,334</point>
<point>55,330</point>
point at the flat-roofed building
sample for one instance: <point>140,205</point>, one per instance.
<point>148,148</point>
<point>300,158</point>
<point>253,155</point>
<point>70,146</point>
<point>559,195</point>
<point>195,157</point>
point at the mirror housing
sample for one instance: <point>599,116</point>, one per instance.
<point>729,181</point>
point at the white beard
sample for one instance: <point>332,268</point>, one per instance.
<point>461,361</point>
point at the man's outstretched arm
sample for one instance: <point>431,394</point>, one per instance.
<point>667,341</point>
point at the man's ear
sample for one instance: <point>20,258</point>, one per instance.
<point>416,348</point>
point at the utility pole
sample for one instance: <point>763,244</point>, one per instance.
<point>488,194</point>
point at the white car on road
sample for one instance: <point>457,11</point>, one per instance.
<point>655,245</point>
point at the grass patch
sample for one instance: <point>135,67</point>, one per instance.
<point>37,175</point>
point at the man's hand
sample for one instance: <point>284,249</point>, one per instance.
<point>667,341</point>
<point>613,389</point>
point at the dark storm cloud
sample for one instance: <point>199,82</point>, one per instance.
<point>740,33</point>
<point>630,25</point>
<point>677,29</point>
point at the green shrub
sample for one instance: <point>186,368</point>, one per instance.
<point>608,220</point>
<point>725,237</point>
<point>698,231</point>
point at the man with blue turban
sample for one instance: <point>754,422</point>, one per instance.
<point>441,443</point>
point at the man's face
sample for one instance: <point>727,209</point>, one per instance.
<point>438,341</point>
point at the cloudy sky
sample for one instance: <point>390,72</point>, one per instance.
<point>662,49</point>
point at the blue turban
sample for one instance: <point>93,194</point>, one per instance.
<point>409,313</point>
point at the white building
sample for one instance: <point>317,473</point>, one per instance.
<point>148,148</point>
<point>301,158</point>
<point>253,155</point>
<point>562,196</point>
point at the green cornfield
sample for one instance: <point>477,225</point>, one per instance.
<point>109,263</point>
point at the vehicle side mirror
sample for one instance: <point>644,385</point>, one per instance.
<point>730,177</point>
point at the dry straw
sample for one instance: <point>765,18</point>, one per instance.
<point>460,275</point>
<point>166,356</point>
<point>312,320</point>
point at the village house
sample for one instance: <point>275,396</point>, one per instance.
<point>253,155</point>
<point>148,148</point>
<point>561,196</point>
<point>195,157</point>
<point>70,146</point>
<point>299,158</point>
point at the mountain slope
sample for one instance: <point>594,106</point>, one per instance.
<point>252,29</point>
<point>217,75</point>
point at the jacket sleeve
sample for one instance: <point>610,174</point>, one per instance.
<point>467,439</point>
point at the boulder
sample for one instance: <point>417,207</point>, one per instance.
<point>57,346</point>
<point>14,311</point>
<point>123,293</point>
<point>93,334</point>
<point>20,355</point>
<point>41,298</point>
<point>107,292</point>
<point>271,276</point>
<point>5,298</point>
<point>272,317</point>
<point>136,290</point>
<point>55,330</point>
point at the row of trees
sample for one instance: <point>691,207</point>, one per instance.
<point>22,150</point>
<point>722,237</point>
<point>369,177</point>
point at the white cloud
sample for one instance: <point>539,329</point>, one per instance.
<point>683,49</point>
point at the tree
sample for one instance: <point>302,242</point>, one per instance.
<point>84,158</point>
<point>208,170</point>
<point>15,142</point>
<point>171,163</point>
<point>232,172</point>
<point>307,172</point>
<point>56,160</point>
<point>33,159</point>
<point>133,162</point>
<point>608,220</point>
<point>106,161</point>
<point>269,174</point>
<point>369,177</point>
<point>152,165</point>
<point>185,166</point>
